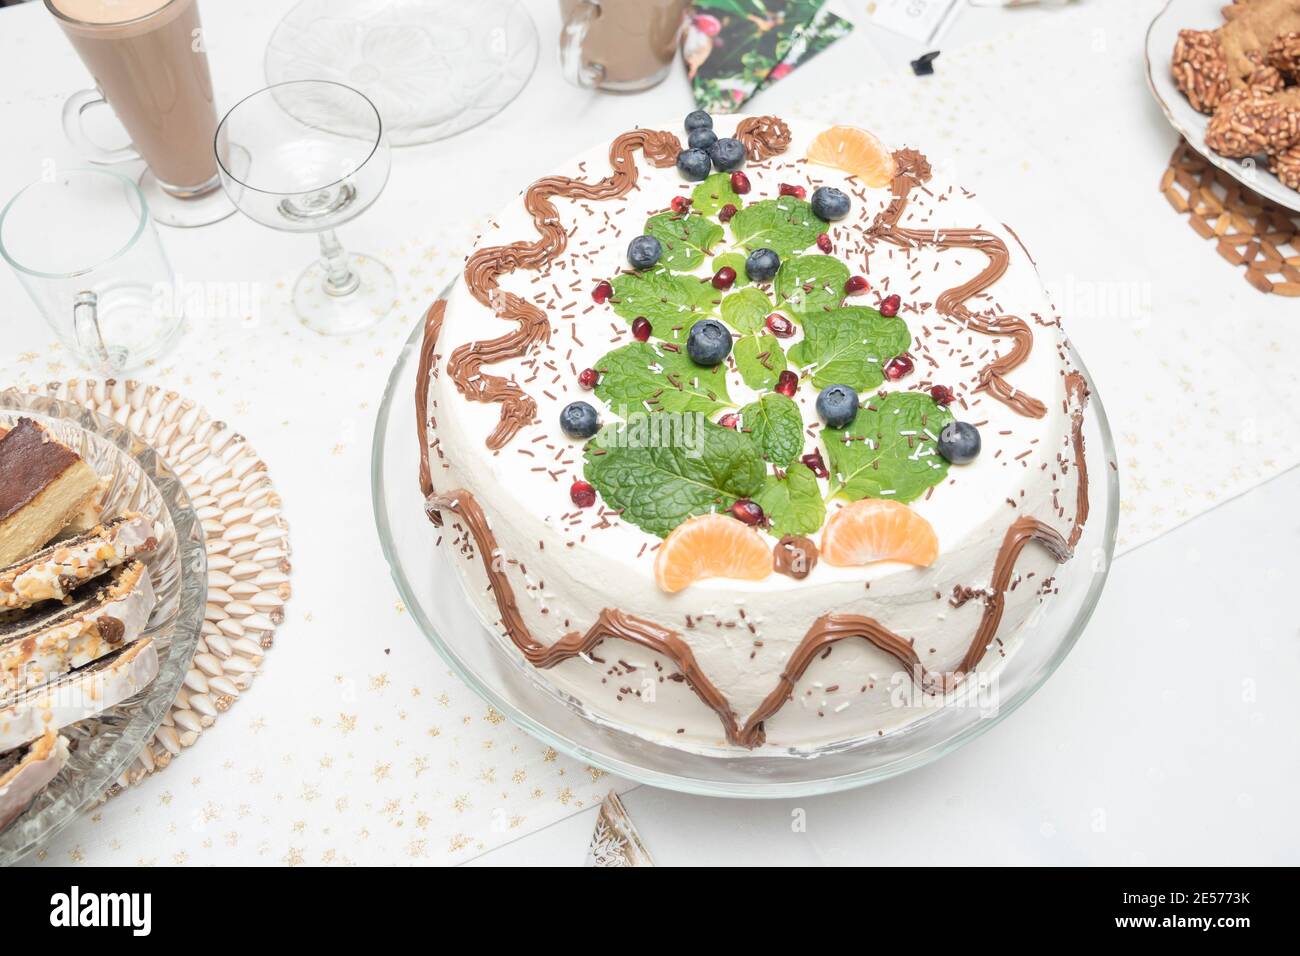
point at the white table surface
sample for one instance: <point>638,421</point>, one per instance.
<point>1167,737</point>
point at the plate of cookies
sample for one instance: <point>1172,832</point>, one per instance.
<point>103,582</point>
<point>1228,79</point>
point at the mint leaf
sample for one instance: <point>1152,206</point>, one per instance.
<point>873,457</point>
<point>775,424</point>
<point>809,284</point>
<point>714,193</point>
<point>687,240</point>
<point>657,487</point>
<point>642,376</point>
<point>849,346</point>
<point>671,303</point>
<point>737,262</point>
<point>760,360</point>
<point>793,504</point>
<point>786,226</point>
<point>746,310</point>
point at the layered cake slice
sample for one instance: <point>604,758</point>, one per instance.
<point>44,485</point>
<point>752,434</point>
<point>83,693</point>
<point>55,572</point>
<point>41,646</point>
<point>25,771</point>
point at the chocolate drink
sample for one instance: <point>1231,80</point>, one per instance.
<point>633,40</point>
<point>148,60</point>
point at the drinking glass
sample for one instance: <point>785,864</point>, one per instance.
<point>84,246</point>
<point>620,46</point>
<point>307,156</point>
<point>150,66</point>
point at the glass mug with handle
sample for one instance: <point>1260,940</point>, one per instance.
<point>150,67</point>
<point>83,245</point>
<point>621,46</point>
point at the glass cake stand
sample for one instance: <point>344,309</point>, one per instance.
<point>490,665</point>
<point>106,744</point>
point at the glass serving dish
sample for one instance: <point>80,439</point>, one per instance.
<point>490,665</point>
<point>105,745</point>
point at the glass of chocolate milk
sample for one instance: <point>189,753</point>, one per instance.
<point>149,65</point>
<point>622,46</point>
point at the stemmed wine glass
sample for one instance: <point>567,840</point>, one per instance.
<point>307,156</point>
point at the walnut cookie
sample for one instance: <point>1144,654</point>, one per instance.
<point>1246,76</point>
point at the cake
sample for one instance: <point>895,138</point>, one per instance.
<point>44,485</point>
<point>38,647</point>
<point>26,770</point>
<point>53,573</point>
<point>772,442</point>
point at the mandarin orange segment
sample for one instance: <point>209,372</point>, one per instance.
<point>711,546</point>
<point>855,151</point>
<point>875,529</point>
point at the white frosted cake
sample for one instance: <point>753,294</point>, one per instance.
<point>780,475</point>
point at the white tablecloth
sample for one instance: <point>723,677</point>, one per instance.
<point>355,745</point>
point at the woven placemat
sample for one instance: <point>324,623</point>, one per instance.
<point>1248,229</point>
<point>247,543</point>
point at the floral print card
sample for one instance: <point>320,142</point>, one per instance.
<point>731,47</point>
<point>823,30</point>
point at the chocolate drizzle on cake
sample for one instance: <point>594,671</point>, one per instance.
<point>486,267</point>
<point>913,169</point>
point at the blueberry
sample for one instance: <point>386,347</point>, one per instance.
<point>644,251</point>
<point>702,139</point>
<point>727,154</point>
<point>829,203</point>
<point>708,343</point>
<point>579,420</point>
<point>959,442</point>
<point>694,164</point>
<point>762,264</point>
<point>837,405</point>
<point>698,120</point>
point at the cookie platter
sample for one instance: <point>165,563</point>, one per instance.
<point>101,600</point>
<point>1253,169</point>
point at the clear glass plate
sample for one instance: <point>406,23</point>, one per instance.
<point>433,68</point>
<point>490,665</point>
<point>106,744</point>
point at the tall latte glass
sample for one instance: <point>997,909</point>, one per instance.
<point>149,64</point>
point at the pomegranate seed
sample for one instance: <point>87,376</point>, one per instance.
<point>588,378</point>
<point>600,295</point>
<point>897,367</point>
<point>942,395</point>
<point>724,278</point>
<point>729,420</point>
<point>815,464</point>
<point>787,383</point>
<point>582,494</point>
<point>780,326</point>
<point>726,212</point>
<point>681,205</point>
<point>641,328</point>
<point>856,285</point>
<point>889,307</point>
<point>824,244</point>
<point>798,192</point>
<point>739,183</point>
<point>747,511</point>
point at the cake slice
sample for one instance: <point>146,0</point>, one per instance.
<point>26,771</point>
<point>44,484</point>
<point>85,692</point>
<point>41,646</point>
<point>55,572</point>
